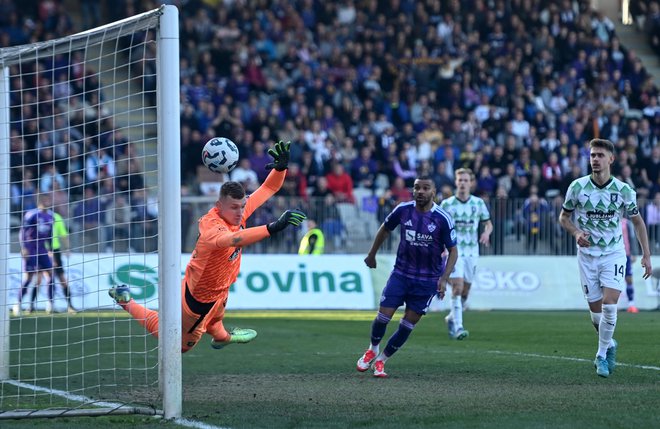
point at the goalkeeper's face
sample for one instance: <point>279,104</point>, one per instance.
<point>231,209</point>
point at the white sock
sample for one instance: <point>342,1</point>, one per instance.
<point>382,357</point>
<point>375,348</point>
<point>457,311</point>
<point>606,328</point>
<point>595,319</point>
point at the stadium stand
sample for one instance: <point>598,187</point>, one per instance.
<point>414,85</point>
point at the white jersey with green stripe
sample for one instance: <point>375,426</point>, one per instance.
<point>598,211</point>
<point>467,215</point>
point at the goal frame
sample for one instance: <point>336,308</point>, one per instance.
<point>169,202</point>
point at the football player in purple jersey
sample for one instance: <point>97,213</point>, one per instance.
<point>36,238</point>
<point>419,271</point>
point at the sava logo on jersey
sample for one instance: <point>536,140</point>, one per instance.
<point>415,238</point>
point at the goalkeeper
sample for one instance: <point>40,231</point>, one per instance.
<point>216,259</point>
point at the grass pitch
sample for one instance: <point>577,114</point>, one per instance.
<point>517,370</point>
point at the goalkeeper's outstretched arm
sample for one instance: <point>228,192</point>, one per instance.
<point>245,237</point>
<point>280,154</point>
<point>241,238</point>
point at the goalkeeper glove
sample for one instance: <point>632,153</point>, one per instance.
<point>280,154</point>
<point>289,217</point>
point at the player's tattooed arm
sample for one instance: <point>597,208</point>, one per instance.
<point>241,238</point>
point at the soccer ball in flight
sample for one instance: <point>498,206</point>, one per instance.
<point>220,155</point>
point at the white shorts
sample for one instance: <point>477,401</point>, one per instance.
<point>465,268</point>
<point>597,272</point>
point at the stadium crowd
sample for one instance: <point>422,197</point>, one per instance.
<point>376,92</point>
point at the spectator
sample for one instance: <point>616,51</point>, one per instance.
<point>295,183</point>
<point>535,220</point>
<point>49,176</point>
<point>144,221</point>
<point>486,182</point>
<point>98,165</point>
<point>551,172</point>
<point>258,160</point>
<point>364,169</point>
<point>117,222</point>
<point>340,184</point>
<point>404,168</point>
<point>650,170</point>
<point>399,192</point>
<point>89,211</point>
<point>653,221</point>
<point>244,174</point>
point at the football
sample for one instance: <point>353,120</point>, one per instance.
<point>220,155</point>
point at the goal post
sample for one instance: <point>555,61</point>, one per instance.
<point>169,233</point>
<point>92,121</point>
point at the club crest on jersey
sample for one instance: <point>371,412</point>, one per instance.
<point>474,209</point>
<point>614,198</point>
<point>431,227</point>
<point>236,252</point>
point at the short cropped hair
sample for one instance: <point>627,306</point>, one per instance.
<point>232,189</point>
<point>464,171</point>
<point>602,143</point>
<point>426,177</point>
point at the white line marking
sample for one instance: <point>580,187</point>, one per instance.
<point>195,424</point>
<point>470,351</point>
<point>84,399</point>
<point>573,359</point>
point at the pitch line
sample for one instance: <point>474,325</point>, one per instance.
<point>195,424</point>
<point>84,399</point>
<point>572,359</point>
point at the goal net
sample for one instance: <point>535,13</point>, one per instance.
<point>89,177</point>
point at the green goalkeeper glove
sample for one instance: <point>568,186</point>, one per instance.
<point>280,154</point>
<point>289,217</point>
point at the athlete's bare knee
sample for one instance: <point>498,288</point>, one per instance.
<point>456,287</point>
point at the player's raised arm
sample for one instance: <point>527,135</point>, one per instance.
<point>280,154</point>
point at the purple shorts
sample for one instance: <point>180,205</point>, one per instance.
<point>38,263</point>
<point>416,294</point>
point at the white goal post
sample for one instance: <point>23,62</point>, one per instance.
<point>92,121</point>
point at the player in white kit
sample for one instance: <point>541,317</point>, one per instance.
<point>468,213</point>
<point>592,213</point>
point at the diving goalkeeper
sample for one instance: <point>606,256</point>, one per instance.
<point>216,259</point>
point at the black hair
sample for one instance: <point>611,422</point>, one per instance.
<point>232,189</point>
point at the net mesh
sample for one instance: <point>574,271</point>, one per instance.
<point>83,144</point>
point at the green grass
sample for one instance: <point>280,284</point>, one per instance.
<point>517,370</point>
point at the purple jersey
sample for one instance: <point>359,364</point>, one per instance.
<point>37,231</point>
<point>424,236</point>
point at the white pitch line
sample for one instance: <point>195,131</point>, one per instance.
<point>466,351</point>
<point>85,399</point>
<point>573,359</point>
<point>195,424</point>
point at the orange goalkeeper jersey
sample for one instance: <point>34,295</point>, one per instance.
<point>216,261</point>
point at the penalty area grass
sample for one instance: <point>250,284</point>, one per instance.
<point>517,369</point>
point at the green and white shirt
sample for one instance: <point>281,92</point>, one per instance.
<point>598,211</point>
<point>467,215</point>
